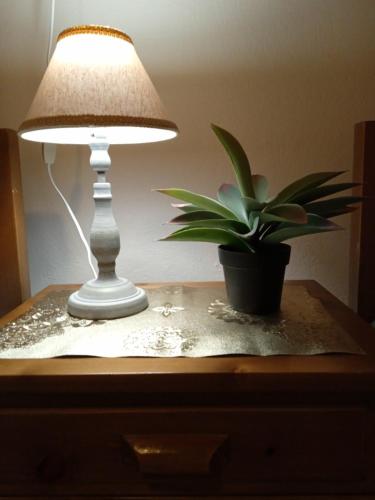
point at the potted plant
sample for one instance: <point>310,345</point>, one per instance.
<point>251,227</point>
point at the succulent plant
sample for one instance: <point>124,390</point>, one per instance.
<point>245,217</point>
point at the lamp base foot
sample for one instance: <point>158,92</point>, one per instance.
<point>102,299</point>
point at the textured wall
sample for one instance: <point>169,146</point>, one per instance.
<point>288,77</point>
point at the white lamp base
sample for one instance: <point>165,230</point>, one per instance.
<point>107,296</point>
<point>99,299</point>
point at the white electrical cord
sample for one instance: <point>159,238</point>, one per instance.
<point>74,218</point>
<point>52,22</point>
<point>49,155</point>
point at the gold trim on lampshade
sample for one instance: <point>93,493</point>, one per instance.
<point>95,79</point>
<point>93,29</point>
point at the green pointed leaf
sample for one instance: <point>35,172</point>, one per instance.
<point>286,231</point>
<point>290,212</point>
<point>266,218</point>
<point>211,235</point>
<point>260,185</point>
<point>343,211</point>
<point>234,225</point>
<point>308,182</point>
<point>239,160</point>
<point>326,206</point>
<point>190,217</point>
<point>252,204</point>
<point>203,202</point>
<point>310,195</point>
<point>230,197</point>
<point>185,207</point>
<point>254,221</point>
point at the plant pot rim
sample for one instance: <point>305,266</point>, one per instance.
<point>268,254</point>
<point>265,248</point>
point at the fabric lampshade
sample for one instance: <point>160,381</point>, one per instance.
<point>96,84</point>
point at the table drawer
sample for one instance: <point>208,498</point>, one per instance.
<point>210,450</point>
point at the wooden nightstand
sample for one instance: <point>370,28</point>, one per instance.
<point>231,426</point>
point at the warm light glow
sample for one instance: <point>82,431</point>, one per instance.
<point>96,82</point>
<point>84,135</point>
<point>88,50</point>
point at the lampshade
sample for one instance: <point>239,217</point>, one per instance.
<point>95,80</point>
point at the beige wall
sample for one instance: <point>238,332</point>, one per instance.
<point>288,77</point>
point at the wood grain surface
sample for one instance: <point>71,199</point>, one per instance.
<point>14,275</point>
<point>280,427</point>
<point>332,374</point>
<point>362,249</point>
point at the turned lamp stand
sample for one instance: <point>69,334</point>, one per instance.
<point>95,82</point>
<point>107,296</point>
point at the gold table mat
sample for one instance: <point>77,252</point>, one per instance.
<point>180,321</point>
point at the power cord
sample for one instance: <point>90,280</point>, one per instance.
<point>49,155</point>
<point>52,22</point>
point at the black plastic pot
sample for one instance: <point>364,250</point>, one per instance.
<point>254,281</point>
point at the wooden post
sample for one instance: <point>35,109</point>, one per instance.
<point>14,271</point>
<point>362,250</point>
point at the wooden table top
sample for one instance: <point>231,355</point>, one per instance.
<point>331,373</point>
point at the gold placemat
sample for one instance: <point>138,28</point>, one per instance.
<point>180,321</point>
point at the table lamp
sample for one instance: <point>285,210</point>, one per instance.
<point>96,91</point>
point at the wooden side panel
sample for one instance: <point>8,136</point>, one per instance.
<point>14,274</point>
<point>362,268</point>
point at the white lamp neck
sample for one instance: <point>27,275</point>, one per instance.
<point>100,160</point>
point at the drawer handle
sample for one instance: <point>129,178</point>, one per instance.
<point>175,454</point>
